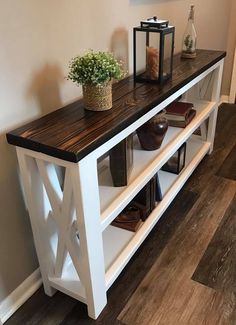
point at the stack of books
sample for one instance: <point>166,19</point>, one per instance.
<point>180,114</point>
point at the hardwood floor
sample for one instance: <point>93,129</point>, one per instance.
<point>185,272</point>
<point>228,169</point>
<point>217,268</point>
<point>182,298</point>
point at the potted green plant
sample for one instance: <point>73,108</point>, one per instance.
<point>95,71</point>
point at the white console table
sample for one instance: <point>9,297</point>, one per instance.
<point>71,205</point>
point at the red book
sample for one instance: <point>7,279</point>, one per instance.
<point>178,111</point>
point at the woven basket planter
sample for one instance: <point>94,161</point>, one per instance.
<point>98,98</point>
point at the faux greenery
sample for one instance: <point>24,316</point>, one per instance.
<point>94,68</point>
<point>188,42</point>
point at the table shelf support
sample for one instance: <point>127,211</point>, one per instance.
<point>65,221</point>
<point>86,195</point>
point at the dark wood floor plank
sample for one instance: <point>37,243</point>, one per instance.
<point>78,316</point>
<point>168,286</point>
<point>41,309</point>
<point>217,268</point>
<point>228,168</point>
<point>225,129</point>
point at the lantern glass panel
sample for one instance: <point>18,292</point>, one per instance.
<point>147,55</point>
<point>140,53</point>
<point>177,162</point>
<point>152,56</point>
<point>182,153</point>
<point>167,55</point>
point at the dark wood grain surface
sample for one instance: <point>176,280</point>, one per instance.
<point>196,236</point>
<point>217,268</point>
<point>228,168</point>
<point>70,133</point>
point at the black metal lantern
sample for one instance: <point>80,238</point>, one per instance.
<point>177,162</point>
<point>153,50</point>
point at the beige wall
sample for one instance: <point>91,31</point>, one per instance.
<point>37,40</point>
<point>21,53</point>
<point>231,44</point>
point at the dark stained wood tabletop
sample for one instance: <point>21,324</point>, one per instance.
<point>71,132</point>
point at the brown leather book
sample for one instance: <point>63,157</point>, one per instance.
<point>184,123</point>
<point>178,111</point>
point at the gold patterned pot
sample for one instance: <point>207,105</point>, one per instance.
<point>98,98</point>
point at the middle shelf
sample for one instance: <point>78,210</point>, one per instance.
<point>146,163</point>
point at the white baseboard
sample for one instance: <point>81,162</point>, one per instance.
<point>19,296</point>
<point>224,99</point>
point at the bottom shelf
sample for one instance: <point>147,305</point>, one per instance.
<point>69,284</point>
<point>126,243</point>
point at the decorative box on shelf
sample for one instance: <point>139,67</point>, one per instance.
<point>121,161</point>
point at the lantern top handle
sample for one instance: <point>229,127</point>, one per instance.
<point>154,22</point>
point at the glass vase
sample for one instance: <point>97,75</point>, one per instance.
<point>190,37</point>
